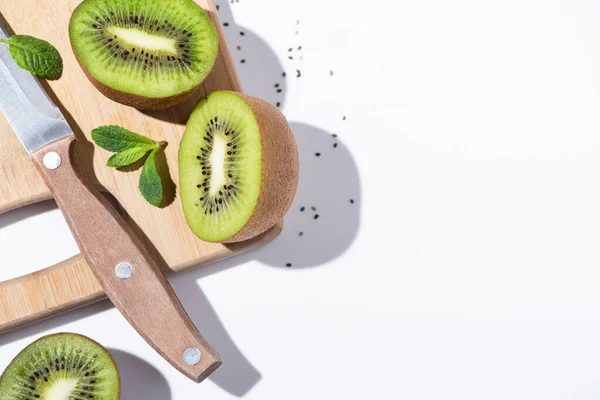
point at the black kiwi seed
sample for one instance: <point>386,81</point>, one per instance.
<point>184,59</point>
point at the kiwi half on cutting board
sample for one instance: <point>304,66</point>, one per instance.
<point>148,54</point>
<point>238,167</point>
<point>65,366</point>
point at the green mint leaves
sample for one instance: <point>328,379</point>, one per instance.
<point>114,138</point>
<point>128,157</point>
<point>35,55</point>
<point>150,183</point>
<point>129,148</point>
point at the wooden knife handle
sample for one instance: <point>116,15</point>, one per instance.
<point>146,298</point>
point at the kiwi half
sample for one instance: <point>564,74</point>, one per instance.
<point>149,54</point>
<point>238,167</point>
<point>64,366</point>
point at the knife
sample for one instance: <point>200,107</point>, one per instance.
<point>122,265</point>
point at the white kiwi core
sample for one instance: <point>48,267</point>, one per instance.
<point>144,40</point>
<point>217,162</point>
<point>61,389</point>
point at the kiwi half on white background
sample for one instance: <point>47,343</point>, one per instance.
<point>149,54</point>
<point>238,167</point>
<point>60,367</point>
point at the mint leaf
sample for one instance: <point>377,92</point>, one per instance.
<point>130,147</point>
<point>114,138</point>
<point>151,185</point>
<point>35,55</point>
<point>127,157</point>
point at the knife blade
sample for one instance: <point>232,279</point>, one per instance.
<point>125,269</point>
<point>26,105</point>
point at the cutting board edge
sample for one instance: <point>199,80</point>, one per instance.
<point>70,285</point>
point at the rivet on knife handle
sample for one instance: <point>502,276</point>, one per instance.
<point>124,268</point>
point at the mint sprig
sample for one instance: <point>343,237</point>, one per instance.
<point>35,55</point>
<point>129,148</point>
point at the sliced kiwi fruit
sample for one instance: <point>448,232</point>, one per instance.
<point>238,167</point>
<point>149,54</point>
<point>64,366</point>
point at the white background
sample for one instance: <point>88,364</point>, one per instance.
<point>468,267</point>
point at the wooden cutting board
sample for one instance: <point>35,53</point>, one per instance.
<point>71,284</point>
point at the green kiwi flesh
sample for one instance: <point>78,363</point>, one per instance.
<point>238,167</point>
<point>144,53</point>
<point>64,366</point>
<point>220,166</point>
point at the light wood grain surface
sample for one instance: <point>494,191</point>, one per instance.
<point>71,284</point>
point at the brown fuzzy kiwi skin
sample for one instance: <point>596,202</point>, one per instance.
<point>279,173</point>
<point>81,336</point>
<point>133,100</point>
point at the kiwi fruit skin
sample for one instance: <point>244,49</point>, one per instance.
<point>74,336</point>
<point>279,170</point>
<point>135,100</point>
<point>279,173</point>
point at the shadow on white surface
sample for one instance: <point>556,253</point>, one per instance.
<point>330,183</point>
<point>261,69</point>
<point>22,213</point>
<point>35,330</point>
<point>139,379</point>
<point>236,375</point>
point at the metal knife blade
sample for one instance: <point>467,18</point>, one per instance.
<point>30,112</point>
